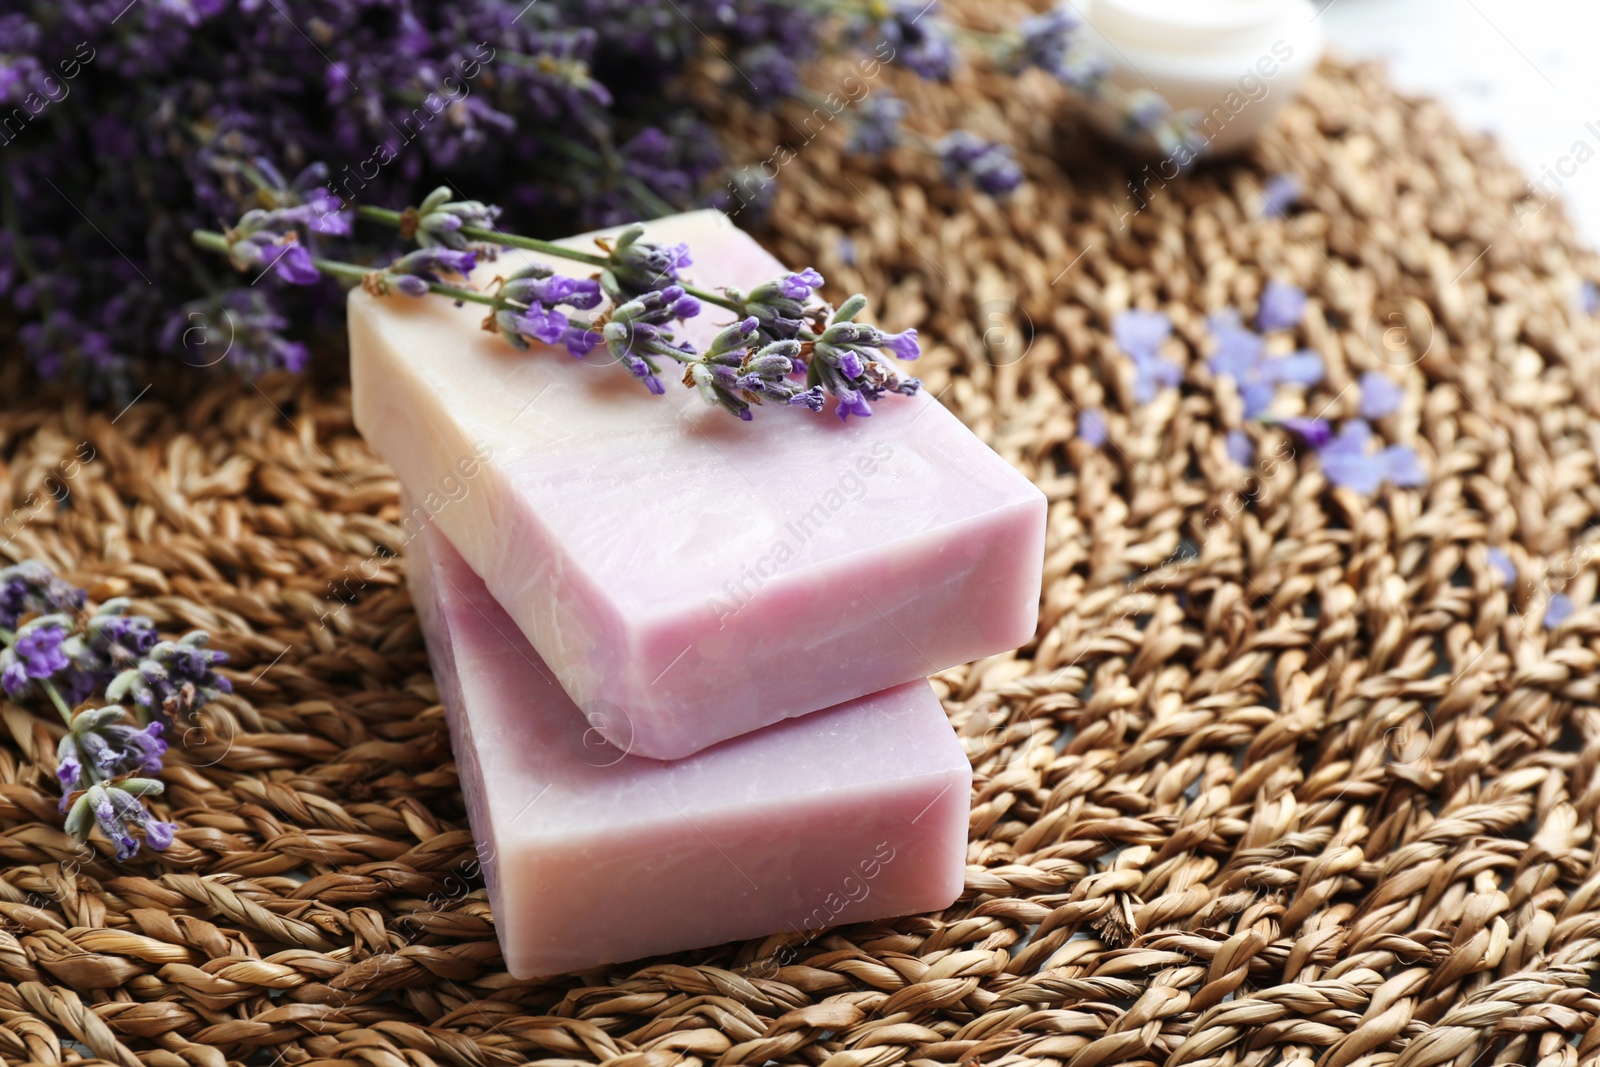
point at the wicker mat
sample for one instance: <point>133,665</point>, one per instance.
<point>1288,775</point>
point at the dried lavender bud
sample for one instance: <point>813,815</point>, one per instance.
<point>638,267</point>
<point>920,39</point>
<point>877,128</point>
<point>438,222</point>
<point>413,272</point>
<point>28,588</point>
<point>989,166</point>
<point>174,677</point>
<point>118,813</point>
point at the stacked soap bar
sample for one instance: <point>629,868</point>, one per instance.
<point>592,856</point>
<point>686,577</point>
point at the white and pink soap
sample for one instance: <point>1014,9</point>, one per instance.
<point>858,812</point>
<point>687,577</point>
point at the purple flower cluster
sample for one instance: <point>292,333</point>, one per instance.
<point>918,37</point>
<point>1241,354</point>
<point>1139,335</point>
<point>1349,457</point>
<point>54,654</point>
<point>991,167</point>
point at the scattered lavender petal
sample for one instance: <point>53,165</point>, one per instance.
<point>1500,561</point>
<point>1279,194</point>
<point>1092,426</point>
<point>1282,306</point>
<point>1380,395</point>
<point>1558,610</point>
<point>1240,448</point>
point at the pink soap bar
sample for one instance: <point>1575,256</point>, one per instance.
<point>688,577</point>
<point>591,856</point>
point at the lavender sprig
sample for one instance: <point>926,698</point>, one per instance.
<point>782,332</point>
<point>52,652</point>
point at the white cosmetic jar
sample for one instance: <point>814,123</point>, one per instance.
<point>1232,63</point>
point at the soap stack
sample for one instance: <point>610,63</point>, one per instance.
<point>683,657</point>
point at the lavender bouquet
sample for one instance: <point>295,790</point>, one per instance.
<point>126,126</point>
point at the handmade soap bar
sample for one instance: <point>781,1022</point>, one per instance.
<point>686,576</point>
<point>590,856</point>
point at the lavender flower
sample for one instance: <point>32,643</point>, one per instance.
<point>1242,355</point>
<point>1140,334</point>
<point>267,241</point>
<point>919,38</point>
<point>35,655</point>
<point>1348,461</point>
<point>877,127</point>
<point>1380,396</point>
<point>524,309</point>
<point>638,267</point>
<point>119,813</point>
<point>1092,427</point>
<point>1558,610</point>
<point>28,588</point>
<point>1501,561</point>
<point>845,360</point>
<point>1240,448</point>
<point>988,165</point>
<point>1317,433</point>
<point>241,326</point>
<point>1282,306</point>
<point>174,677</point>
<point>99,746</point>
<point>779,306</point>
<point>1279,194</point>
<point>636,334</point>
<point>438,221</point>
<point>1051,42</point>
<point>413,272</point>
<point>1589,297</point>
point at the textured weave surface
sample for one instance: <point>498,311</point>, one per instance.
<point>1288,774</point>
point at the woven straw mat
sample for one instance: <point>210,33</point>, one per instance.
<point>1288,774</point>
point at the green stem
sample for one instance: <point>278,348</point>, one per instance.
<point>216,242</point>
<point>532,244</point>
<point>56,699</point>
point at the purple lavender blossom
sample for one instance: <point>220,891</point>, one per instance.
<point>1240,448</point>
<point>1048,41</point>
<point>118,813</point>
<point>1558,610</point>
<point>1317,433</point>
<point>919,38</point>
<point>1282,307</point>
<point>1140,334</point>
<point>414,272</point>
<point>877,127</point>
<point>1589,297</point>
<point>1501,561</point>
<point>1242,355</point>
<point>35,655</point>
<point>1380,395</point>
<point>638,267</point>
<point>1349,461</point>
<point>174,677</point>
<point>28,588</point>
<point>1280,193</point>
<point>986,164</point>
<point>1092,427</point>
<point>801,284</point>
<point>769,73</point>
